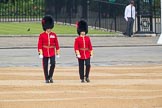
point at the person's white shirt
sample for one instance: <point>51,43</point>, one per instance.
<point>128,12</point>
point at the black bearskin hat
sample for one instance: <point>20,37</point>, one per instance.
<point>47,22</point>
<point>82,26</point>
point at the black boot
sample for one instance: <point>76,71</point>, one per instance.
<point>47,81</point>
<point>82,80</point>
<point>51,80</point>
<point>87,79</point>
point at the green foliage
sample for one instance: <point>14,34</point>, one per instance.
<point>157,8</point>
<point>157,3</point>
<point>112,1</point>
<point>22,8</point>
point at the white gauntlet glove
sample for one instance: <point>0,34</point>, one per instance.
<point>57,56</point>
<point>78,56</point>
<point>91,54</point>
<point>57,53</point>
<point>40,53</point>
<point>40,56</point>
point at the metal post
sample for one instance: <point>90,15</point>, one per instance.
<point>151,16</point>
<point>161,17</point>
<point>88,10</point>
<point>138,16</point>
<point>160,38</point>
<point>99,14</point>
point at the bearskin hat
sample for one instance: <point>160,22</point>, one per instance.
<point>47,22</point>
<point>82,26</point>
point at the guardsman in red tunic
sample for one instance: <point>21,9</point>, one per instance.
<point>48,47</point>
<point>83,50</point>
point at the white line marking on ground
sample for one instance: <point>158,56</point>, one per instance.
<point>77,82</point>
<point>92,74</point>
<point>82,98</point>
<point>41,92</point>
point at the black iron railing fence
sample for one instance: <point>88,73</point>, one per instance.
<point>21,10</point>
<point>106,14</point>
<point>98,13</point>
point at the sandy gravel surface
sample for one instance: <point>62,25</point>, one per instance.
<point>110,87</point>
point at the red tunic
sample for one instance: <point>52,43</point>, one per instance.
<point>84,46</point>
<point>48,43</point>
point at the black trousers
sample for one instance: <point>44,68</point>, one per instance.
<point>48,74</point>
<point>81,68</point>
<point>129,29</point>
